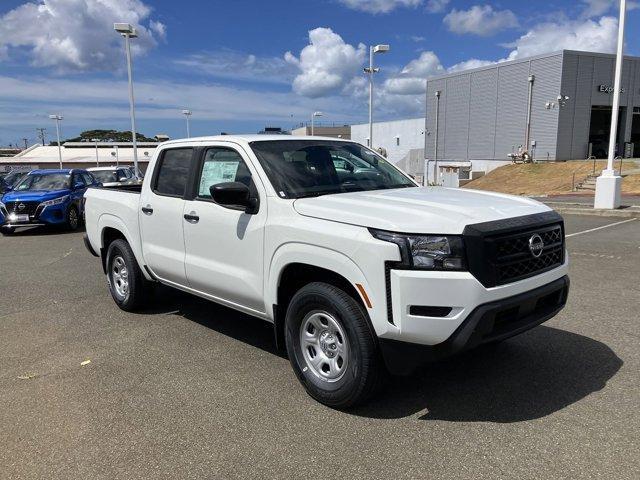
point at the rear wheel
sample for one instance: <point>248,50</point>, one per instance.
<point>331,347</point>
<point>127,284</point>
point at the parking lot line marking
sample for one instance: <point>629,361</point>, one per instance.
<point>600,228</point>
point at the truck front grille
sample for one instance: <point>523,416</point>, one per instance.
<point>499,252</point>
<point>514,260</point>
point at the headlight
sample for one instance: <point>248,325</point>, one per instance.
<point>55,201</point>
<point>427,252</point>
<point>3,208</point>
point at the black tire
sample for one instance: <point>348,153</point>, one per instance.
<point>137,288</point>
<point>7,230</point>
<point>73,218</point>
<point>362,370</point>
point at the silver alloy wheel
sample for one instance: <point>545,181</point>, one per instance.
<point>324,345</point>
<point>120,277</point>
<point>73,218</point>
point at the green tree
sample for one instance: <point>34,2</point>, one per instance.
<point>108,136</point>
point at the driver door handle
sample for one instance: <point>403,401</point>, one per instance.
<point>147,210</point>
<point>191,217</point>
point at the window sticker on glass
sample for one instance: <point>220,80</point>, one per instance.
<point>216,172</point>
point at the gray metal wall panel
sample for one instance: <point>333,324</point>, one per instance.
<point>636,90</point>
<point>544,122</point>
<point>456,125</point>
<point>482,113</point>
<point>566,115</point>
<point>603,68</point>
<point>432,87</point>
<point>582,107</point>
<point>512,108</point>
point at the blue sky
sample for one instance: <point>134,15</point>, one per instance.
<point>240,65</point>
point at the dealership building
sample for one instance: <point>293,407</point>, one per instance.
<point>555,106</point>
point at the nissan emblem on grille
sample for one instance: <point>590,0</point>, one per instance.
<point>21,206</point>
<point>536,245</point>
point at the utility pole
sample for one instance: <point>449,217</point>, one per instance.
<point>41,134</point>
<point>26,145</point>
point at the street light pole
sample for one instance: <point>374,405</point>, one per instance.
<point>95,141</point>
<point>187,114</point>
<point>435,141</point>
<point>313,116</point>
<point>608,184</point>
<point>57,119</point>
<point>129,32</point>
<point>370,71</point>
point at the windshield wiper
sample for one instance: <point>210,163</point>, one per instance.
<point>317,194</point>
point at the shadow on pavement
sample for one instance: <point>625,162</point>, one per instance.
<point>527,377</point>
<point>530,376</point>
<point>42,231</point>
<point>229,322</point>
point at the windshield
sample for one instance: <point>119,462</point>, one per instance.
<point>105,176</point>
<point>306,168</point>
<point>13,177</point>
<point>45,181</point>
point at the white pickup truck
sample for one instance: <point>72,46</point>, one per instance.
<point>360,270</point>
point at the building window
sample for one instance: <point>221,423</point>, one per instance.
<point>398,140</point>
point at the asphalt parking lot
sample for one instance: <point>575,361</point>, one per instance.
<point>189,389</point>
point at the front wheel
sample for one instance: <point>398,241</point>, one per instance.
<point>331,346</point>
<point>73,218</point>
<point>127,284</point>
<point>7,230</point>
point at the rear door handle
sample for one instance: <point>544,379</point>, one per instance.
<point>147,210</point>
<point>191,217</point>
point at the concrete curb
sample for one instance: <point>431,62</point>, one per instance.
<point>630,212</point>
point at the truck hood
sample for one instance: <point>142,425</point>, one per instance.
<point>34,195</point>
<point>417,210</point>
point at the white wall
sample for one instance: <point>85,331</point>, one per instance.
<point>409,131</point>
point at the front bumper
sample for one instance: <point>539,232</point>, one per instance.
<point>51,215</point>
<point>488,322</point>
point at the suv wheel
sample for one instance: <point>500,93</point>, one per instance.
<point>127,285</point>
<point>73,218</point>
<point>7,230</point>
<point>331,347</point>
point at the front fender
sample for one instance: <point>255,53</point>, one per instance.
<point>321,257</point>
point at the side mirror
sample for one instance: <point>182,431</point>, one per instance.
<point>235,195</point>
<point>78,185</point>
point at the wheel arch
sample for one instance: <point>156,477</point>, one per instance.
<point>296,265</point>
<point>112,228</point>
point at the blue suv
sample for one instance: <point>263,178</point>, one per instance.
<point>46,197</point>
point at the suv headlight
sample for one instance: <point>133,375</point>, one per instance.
<point>55,201</point>
<point>427,252</point>
<point>3,209</point>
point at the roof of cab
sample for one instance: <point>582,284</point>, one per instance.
<point>54,170</point>
<point>252,138</point>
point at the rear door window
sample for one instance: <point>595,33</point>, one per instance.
<point>173,172</point>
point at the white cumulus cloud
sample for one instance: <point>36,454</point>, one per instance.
<point>589,35</point>
<point>437,6</point>
<point>379,6</point>
<point>411,80</point>
<point>327,65</point>
<point>76,34</point>
<point>480,20</point>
